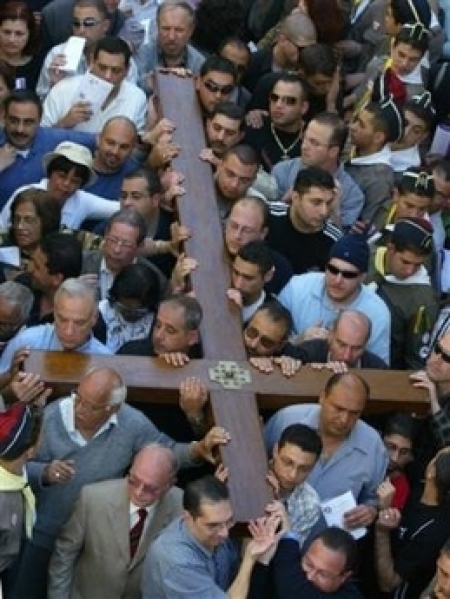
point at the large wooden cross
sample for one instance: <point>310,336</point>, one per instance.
<point>150,380</point>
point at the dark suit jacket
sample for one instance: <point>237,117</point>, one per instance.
<point>316,350</point>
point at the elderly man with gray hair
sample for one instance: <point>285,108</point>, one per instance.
<point>90,436</point>
<point>75,313</point>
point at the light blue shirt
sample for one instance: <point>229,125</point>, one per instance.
<point>359,465</point>
<point>44,337</point>
<point>307,300</point>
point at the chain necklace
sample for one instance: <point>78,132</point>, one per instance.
<point>284,149</point>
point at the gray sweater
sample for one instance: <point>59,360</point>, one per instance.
<point>104,457</point>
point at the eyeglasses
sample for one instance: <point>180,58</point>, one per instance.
<point>309,568</point>
<point>128,245</point>
<point>287,100</point>
<point>88,22</point>
<point>346,274</point>
<point>133,481</point>
<point>439,351</point>
<point>266,342</point>
<point>92,407</point>
<point>223,90</point>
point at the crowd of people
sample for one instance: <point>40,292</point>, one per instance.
<point>326,133</point>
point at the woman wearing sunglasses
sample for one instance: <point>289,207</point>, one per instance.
<point>128,313</point>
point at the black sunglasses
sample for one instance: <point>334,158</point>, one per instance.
<point>87,22</point>
<point>346,274</point>
<point>224,90</point>
<point>439,351</point>
<point>288,100</point>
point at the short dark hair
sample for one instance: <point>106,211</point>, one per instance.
<point>47,210</point>
<point>233,40</point>
<point>404,36</point>
<point>338,539</point>
<point>302,436</point>
<point>136,281</point>
<point>285,77</point>
<point>313,176</point>
<point>209,489</point>
<point>401,424</point>
<point>422,113</point>
<point>113,45</point>
<point>380,121</point>
<point>338,377</point>
<point>230,110</point>
<point>245,153</point>
<point>23,96</point>
<point>64,165</point>
<point>418,181</point>
<point>318,58</point>
<point>257,252</point>
<point>98,4</point>
<point>277,313</point>
<point>150,176</point>
<point>64,254</point>
<point>219,64</point>
<point>193,312</point>
<point>131,217</point>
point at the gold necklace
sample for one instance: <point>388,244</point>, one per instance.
<point>283,148</point>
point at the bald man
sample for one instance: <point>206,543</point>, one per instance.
<point>90,436</point>
<point>93,556</point>
<point>353,456</point>
<point>345,346</point>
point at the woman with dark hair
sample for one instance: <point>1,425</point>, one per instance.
<point>20,44</point>
<point>33,215</point>
<point>407,545</point>
<point>128,313</point>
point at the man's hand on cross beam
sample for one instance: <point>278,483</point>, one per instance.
<point>193,398</point>
<point>204,450</point>
<point>422,380</point>
<point>177,359</point>
<point>288,366</point>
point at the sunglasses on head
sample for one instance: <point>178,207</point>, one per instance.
<point>224,90</point>
<point>288,100</point>
<point>439,351</point>
<point>88,22</point>
<point>346,274</point>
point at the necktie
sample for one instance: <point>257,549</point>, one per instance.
<point>136,531</point>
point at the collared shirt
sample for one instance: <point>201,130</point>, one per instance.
<point>359,464</point>
<point>306,298</point>
<point>134,515</point>
<point>67,409</point>
<point>44,337</point>
<point>179,567</point>
<point>130,102</point>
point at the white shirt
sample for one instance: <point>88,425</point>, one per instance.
<point>76,208</point>
<point>130,102</point>
<point>44,85</point>
<point>67,409</point>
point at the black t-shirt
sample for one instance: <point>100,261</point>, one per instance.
<point>305,251</point>
<point>416,545</point>
<point>264,142</point>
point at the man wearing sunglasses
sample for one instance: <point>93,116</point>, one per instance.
<point>57,21</point>
<point>436,380</point>
<point>215,83</point>
<point>315,299</point>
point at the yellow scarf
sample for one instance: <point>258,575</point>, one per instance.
<point>14,482</point>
